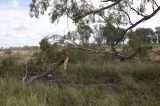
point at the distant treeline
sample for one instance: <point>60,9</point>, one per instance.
<point>20,48</point>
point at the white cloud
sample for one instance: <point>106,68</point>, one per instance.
<point>18,29</point>
<point>15,3</point>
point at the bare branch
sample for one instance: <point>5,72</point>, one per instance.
<point>113,51</point>
<point>49,70</point>
<point>138,12</point>
<point>129,19</point>
<point>135,24</point>
<point>144,18</point>
<point>76,46</point>
<point>24,78</point>
<point>154,2</point>
<point>96,11</point>
<point>140,21</point>
<point>94,51</point>
<point>125,57</point>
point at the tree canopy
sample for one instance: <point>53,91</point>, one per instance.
<point>117,16</point>
<point>116,12</point>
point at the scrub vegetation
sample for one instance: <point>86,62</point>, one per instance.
<point>107,61</point>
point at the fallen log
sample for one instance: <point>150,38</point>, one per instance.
<point>49,70</point>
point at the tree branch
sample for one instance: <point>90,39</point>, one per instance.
<point>49,70</point>
<point>129,19</point>
<point>144,18</point>
<point>138,12</point>
<point>26,73</point>
<point>124,57</point>
<point>96,11</point>
<point>135,24</point>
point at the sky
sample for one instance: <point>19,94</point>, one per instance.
<point>17,28</point>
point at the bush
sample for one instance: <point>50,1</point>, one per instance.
<point>9,67</point>
<point>148,73</point>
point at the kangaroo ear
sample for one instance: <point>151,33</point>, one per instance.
<point>65,63</point>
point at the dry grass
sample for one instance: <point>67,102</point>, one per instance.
<point>154,55</point>
<point>85,84</point>
<point>23,55</point>
<point>132,83</point>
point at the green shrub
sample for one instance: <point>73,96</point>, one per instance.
<point>9,67</point>
<point>146,74</point>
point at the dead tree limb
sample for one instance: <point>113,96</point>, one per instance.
<point>126,57</point>
<point>26,73</point>
<point>112,51</point>
<point>49,70</point>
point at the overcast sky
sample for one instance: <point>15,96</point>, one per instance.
<point>18,29</point>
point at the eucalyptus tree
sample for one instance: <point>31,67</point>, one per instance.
<point>158,33</point>
<point>71,36</point>
<point>113,35</point>
<point>84,33</point>
<point>111,13</point>
<point>141,36</point>
<point>98,35</point>
<point>45,45</point>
